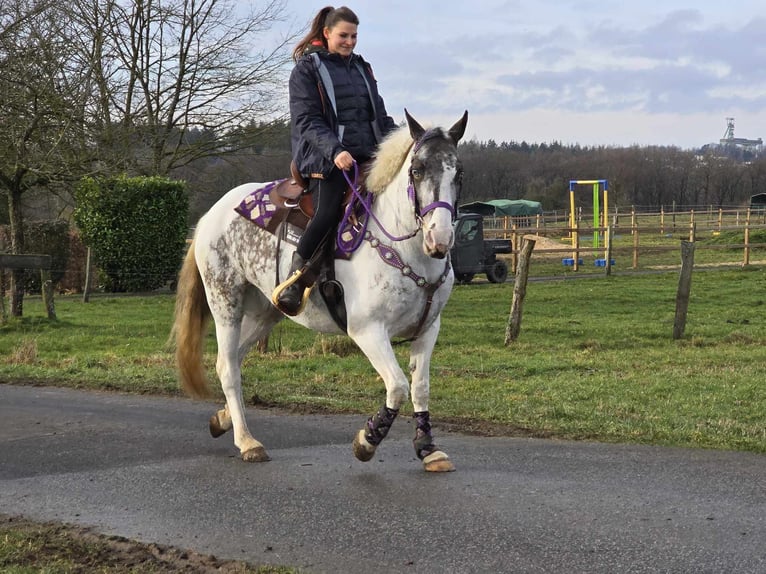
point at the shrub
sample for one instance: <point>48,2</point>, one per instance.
<point>137,228</point>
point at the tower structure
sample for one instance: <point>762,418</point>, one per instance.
<point>728,139</point>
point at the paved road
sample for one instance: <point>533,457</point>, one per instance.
<point>146,468</point>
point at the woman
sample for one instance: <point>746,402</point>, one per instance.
<point>337,118</point>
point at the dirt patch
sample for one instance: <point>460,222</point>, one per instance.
<point>544,243</point>
<point>49,547</point>
<point>488,428</point>
<point>545,247</point>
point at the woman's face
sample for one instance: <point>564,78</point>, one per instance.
<point>341,38</point>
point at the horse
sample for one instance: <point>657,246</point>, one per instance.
<point>395,285</point>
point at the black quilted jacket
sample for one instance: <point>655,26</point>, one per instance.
<point>318,134</point>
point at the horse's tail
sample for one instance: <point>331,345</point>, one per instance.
<point>192,315</point>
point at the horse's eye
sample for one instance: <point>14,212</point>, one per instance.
<point>459,176</point>
<point>417,174</point>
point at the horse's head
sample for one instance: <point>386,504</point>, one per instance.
<point>436,175</point>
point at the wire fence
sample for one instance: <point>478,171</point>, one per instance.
<point>644,240</point>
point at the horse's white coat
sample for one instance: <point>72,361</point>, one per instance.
<point>237,264</point>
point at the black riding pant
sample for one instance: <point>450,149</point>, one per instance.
<point>326,196</point>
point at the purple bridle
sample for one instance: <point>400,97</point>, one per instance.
<point>411,186</point>
<point>366,205</point>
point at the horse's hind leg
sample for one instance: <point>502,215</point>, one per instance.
<point>434,459</point>
<point>252,330</point>
<point>220,422</point>
<point>235,338</point>
<point>230,374</point>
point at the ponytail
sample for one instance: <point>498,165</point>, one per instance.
<point>327,17</point>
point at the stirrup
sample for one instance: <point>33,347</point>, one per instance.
<point>284,285</point>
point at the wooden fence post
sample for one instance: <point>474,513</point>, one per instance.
<point>86,288</point>
<point>576,262</point>
<point>674,216</point>
<point>47,290</point>
<point>515,243</point>
<point>747,239</point>
<point>684,288</point>
<point>3,315</point>
<point>692,227</point>
<point>608,262</point>
<point>513,328</point>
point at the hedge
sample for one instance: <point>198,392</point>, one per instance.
<point>137,228</point>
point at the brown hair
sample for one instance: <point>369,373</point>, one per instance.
<point>327,17</point>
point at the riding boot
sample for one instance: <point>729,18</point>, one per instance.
<point>290,295</point>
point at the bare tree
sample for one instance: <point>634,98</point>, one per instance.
<point>39,86</point>
<point>162,70</point>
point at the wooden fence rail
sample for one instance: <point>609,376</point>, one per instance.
<point>607,249</point>
<point>666,221</point>
<point>30,261</point>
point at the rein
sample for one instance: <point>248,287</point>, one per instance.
<point>366,205</point>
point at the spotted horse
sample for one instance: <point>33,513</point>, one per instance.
<point>395,285</point>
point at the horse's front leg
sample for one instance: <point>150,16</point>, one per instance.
<point>375,344</point>
<point>434,459</point>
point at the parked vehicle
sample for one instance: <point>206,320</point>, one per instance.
<point>473,254</point>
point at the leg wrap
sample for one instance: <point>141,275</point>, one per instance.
<point>423,442</point>
<point>379,425</point>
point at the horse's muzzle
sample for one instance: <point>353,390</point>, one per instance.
<point>439,252</point>
<point>437,244</point>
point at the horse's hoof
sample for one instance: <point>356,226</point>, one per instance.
<point>216,429</point>
<point>438,461</point>
<point>363,450</point>
<point>257,454</point>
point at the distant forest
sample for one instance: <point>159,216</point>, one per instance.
<point>644,177</point>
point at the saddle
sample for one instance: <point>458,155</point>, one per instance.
<point>287,201</point>
<point>292,194</point>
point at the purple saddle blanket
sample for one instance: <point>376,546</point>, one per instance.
<point>258,208</point>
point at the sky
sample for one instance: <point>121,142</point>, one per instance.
<point>588,72</point>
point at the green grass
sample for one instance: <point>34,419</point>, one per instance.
<point>595,359</point>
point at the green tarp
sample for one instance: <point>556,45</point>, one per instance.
<point>501,207</point>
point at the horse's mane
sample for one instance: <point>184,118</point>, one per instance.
<point>388,159</point>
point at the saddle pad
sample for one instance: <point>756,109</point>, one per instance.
<point>257,207</point>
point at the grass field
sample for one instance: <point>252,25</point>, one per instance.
<point>595,359</point>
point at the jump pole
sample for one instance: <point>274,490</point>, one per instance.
<point>597,184</point>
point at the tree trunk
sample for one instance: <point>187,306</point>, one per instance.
<point>17,247</point>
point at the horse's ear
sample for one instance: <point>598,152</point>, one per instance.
<point>456,132</point>
<point>416,130</point>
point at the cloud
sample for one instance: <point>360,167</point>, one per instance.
<point>571,63</point>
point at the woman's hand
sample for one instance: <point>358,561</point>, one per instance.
<point>344,161</point>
